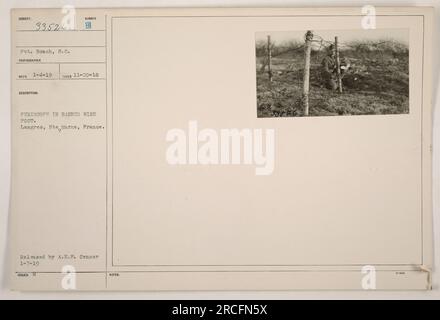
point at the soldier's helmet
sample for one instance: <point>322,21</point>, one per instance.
<point>331,49</point>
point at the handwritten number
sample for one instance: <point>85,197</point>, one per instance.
<point>42,26</point>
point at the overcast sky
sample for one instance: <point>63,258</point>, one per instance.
<point>401,35</point>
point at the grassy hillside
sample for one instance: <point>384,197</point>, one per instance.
<point>377,82</point>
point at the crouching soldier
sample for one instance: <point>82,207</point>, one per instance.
<point>329,68</point>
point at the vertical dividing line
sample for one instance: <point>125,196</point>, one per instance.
<point>421,138</point>
<point>106,156</point>
<point>112,93</point>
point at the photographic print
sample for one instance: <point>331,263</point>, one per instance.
<point>332,72</point>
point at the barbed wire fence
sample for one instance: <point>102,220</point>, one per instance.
<point>310,38</point>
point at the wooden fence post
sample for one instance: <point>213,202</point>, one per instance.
<point>338,65</point>
<point>306,81</point>
<point>269,58</point>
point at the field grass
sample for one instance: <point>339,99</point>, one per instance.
<point>377,83</point>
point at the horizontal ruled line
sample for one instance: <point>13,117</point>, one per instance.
<point>59,30</point>
<point>73,62</point>
<point>35,46</point>
<point>62,79</point>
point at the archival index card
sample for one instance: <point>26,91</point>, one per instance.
<point>221,149</point>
